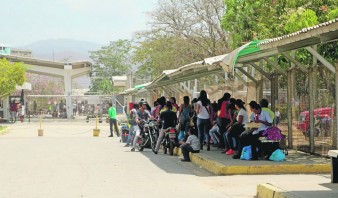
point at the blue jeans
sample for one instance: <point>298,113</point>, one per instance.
<point>113,121</point>
<point>184,125</point>
<point>203,126</point>
<point>214,132</point>
<point>131,134</point>
<point>230,141</point>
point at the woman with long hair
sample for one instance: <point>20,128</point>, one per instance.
<point>203,118</point>
<point>224,117</point>
<point>184,114</point>
<point>236,129</point>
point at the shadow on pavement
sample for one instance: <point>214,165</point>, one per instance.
<point>173,165</point>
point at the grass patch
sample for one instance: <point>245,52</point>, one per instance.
<point>2,129</point>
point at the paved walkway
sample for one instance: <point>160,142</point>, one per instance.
<point>69,162</point>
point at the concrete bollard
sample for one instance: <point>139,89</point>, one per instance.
<point>96,132</point>
<point>40,132</point>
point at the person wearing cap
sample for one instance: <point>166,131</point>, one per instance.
<point>113,121</point>
<point>141,114</point>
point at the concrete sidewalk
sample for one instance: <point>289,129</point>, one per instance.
<point>306,189</point>
<point>295,163</point>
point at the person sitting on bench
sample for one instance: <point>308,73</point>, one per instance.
<point>251,138</point>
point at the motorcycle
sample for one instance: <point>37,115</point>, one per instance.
<point>170,140</point>
<point>147,136</point>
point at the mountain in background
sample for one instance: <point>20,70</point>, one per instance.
<point>64,50</point>
<point>61,49</point>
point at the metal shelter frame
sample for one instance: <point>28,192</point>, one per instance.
<point>233,64</point>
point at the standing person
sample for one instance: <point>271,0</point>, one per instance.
<point>203,119</point>
<point>161,104</point>
<point>132,117</point>
<point>173,102</point>
<point>169,120</point>
<point>224,117</point>
<point>191,145</point>
<point>153,110</point>
<point>184,114</point>
<point>112,120</point>
<point>35,106</point>
<point>194,116</point>
<point>142,115</point>
<point>277,116</point>
<point>13,111</point>
<point>82,109</point>
<point>74,109</point>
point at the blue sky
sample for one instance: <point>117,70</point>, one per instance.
<point>99,21</point>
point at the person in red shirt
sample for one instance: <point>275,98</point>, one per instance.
<point>14,111</point>
<point>224,117</point>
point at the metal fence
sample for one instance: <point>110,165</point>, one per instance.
<point>83,107</point>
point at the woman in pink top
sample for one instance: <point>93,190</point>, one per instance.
<point>224,117</point>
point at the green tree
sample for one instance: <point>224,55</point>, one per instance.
<point>110,60</point>
<point>11,74</point>
<point>163,53</point>
<point>261,19</point>
<point>181,32</point>
<point>299,19</point>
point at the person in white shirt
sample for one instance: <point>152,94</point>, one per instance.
<point>277,116</point>
<point>261,116</point>
<point>203,118</point>
<point>237,128</point>
<point>191,145</point>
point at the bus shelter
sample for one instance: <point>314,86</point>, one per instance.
<point>303,92</point>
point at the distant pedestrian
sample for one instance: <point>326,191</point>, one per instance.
<point>277,116</point>
<point>14,112</point>
<point>82,109</point>
<point>35,106</point>
<point>112,120</point>
<point>74,109</point>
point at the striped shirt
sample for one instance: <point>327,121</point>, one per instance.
<point>194,142</point>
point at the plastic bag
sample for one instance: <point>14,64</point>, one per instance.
<point>246,153</point>
<point>277,156</point>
